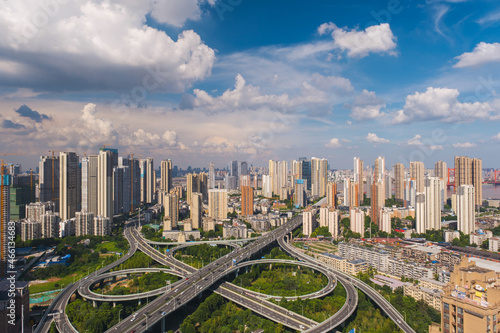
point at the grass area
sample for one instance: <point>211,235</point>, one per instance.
<point>110,247</point>
<point>139,283</point>
<point>281,280</point>
<point>199,255</point>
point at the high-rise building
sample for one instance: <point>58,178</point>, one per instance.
<point>433,191</point>
<point>388,186</point>
<point>333,223</point>
<point>171,208</point>
<point>147,180</point>
<point>267,186</point>
<point>211,175</point>
<point>420,213</point>
<point>196,210</point>
<point>278,172</point>
<point>84,223</point>
<point>469,172</point>
<point>246,200</point>
<point>69,185</point>
<point>354,194</point>
<point>466,220</point>
<point>378,200</point>
<point>441,170</point>
<point>233,172</point>
<point>417,170</point>
<point>346,185</point>
<point>90,167</point>
<point>31,230</point>
<point>379,171</point>
<point>358,177</point>
<point>67,228</point>
<point>166,175</point>
<point>243,169</point>
<point>319,176</point>
<point>299,193</point>
<point>323,216</point>
<point>35,210</point>
<point>121,190</point>
<point>331,194</point>
<point>105,206</point>
<point>385,220</point>
<point>135,180</point>
<point>306,171</point>
<point>399,177</point>
<point>308,222</point>
<point>296,170</point>
<point>102,226</point>
<point>357,217</point>
<point>217,204</point>
<point>22,192</point>
<point>48,179</point>
<point>410,192</point>
<point>50,225</point>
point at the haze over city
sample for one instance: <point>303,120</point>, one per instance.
<point>200,81</point>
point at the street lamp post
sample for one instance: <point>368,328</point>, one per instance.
<point>302,310</point>
<point>119,318</point>
<point>146,315</point>
<point>404,313</point>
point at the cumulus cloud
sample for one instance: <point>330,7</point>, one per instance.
<point>464,145</point>
<point>333,143</point>
<point>245,96</point>
<point>177,12</point>
<point>482,54</point>
<point>440,104</point>
<point>359,44</point>
<point>373,138</point>
<point>91,44</point>
<point>496,137</point>
<point>25,111</point>
<point>366,106</point>
<point>415,141</point>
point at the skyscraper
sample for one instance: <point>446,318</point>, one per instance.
<point>171,209</point>
<point>211,175</point>
<point>50,225</point>
<point>466,220</point>
<point>433,186</point>
<point>246,200</point>
<point>319,176</point>
<point>267,186</point>
<point>306,171</point>
<point>331,194</point>
<point>357,217</point>
<point>399,177</point>
<point>233,171</point>
<point>379,170</point>
<point>84,223</point>
<point>333,223</point>
<point>48,179</point>
<point>69,185</point>
<point>469,172</point>
<point>308,223</point>
<point>354,194</point>
<point>196,210</point>
<point>358,177</point>
<point>217,204</point>
<point>166,175</point>
<point>417,173</point>
<point>420,213</point>
<point>105,184</point>
<point>135,180</point>
<point>147,180</point>
<point>441,170</point>
<point>90,168</point>
<point>299,194</point>
<point>5,181</point>
<point>378,200</point>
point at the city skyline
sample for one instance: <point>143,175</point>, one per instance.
<point>407,81</point>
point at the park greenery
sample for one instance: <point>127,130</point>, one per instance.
<point>199,255</point>
<point>85,258</point>
<point>215,314</point>
<point>281,280</point>
<point>138,260</point>
<point>212,233</point>
<point>321,231</point>
<point>151,233</point>
<point>84,316</point>
<point>139,284</point>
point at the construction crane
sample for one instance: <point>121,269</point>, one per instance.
<point>104,146</point>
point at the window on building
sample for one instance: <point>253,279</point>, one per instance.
<point>494,317</point>
<point>460,311</point>
<point>460,321</point>
<point>460,330</point>
<point>446,306</point>
<point>447,326</point>
<point>446,315</point>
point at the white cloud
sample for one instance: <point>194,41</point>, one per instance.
<point>482,54</point>
<point>373,138</point>
<point>440,104</point>
<point>366,106</point>
<point>92,44</point>
<point>358,44</point>
<point>177,12</point>
<point>464,145</point>
<point>496,137</point>
<point>333,143</point>
<point>489,18</point>
<point>415,141</point>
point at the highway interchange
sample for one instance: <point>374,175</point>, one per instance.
<point>194,282</point>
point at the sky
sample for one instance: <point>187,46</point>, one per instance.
<point>251,80</point>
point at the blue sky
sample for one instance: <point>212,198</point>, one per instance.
<point>207,80</point>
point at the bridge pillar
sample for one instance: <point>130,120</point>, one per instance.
<point>139,302</point>
<point>163,325</point>
<point>114,279</point>
<point>94,304</point>
<point>114,304</point>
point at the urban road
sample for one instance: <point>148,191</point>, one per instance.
<point>195,282</point>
